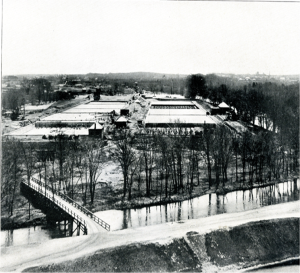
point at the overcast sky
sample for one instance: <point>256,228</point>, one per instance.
<point>82,36</point>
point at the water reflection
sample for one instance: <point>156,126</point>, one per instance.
<point>207,205</point>
<point>31,235</point>
<point>24,236</point>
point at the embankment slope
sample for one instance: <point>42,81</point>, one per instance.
<point>226,249</point>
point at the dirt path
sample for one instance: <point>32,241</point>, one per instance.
<point>58,250</point>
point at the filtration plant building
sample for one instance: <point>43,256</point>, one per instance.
<point>179,113</point>
<point>82,120</point>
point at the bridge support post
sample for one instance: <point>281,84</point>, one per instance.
<point>50,221</point>
<point>70,227</point>
<point>65,226</point>
<point>78,228</point>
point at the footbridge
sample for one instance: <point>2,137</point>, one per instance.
<point>59,207</point>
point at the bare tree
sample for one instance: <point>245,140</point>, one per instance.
<point>28,151</point>
<point>226,148</point>
<point>11,173</point>
<point>132,172</point>
<point>70,164</point>
<point>193,158</point>
<point>177,146</point>
<point>61,150</point>
<point>147,143</point>
<point>94,163</point>
<point>80,164</point>
<point>29,159</point>
<point>206,143</point>
<point>124,154</point>
<point>165,159</point>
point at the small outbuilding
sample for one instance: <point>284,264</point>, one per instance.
<point>214,110</point>
<point>96,130</point>
<point>121,122</point>
<point>223,108</point>
<point>140,122</point>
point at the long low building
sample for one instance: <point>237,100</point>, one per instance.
<point>78,121</point>
<point>84,115</point>
<point>100,107</point>
<point>172,112</point>
<point>67,117</point>
<point>183,113</point>
<point>178,120</point>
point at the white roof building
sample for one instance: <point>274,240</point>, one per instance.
<point>223,105</point>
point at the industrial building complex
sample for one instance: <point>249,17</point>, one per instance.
<point>93,118</point>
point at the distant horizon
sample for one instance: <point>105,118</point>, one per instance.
<point>161,73</point>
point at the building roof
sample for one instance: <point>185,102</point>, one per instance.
<point>97,107</point>
<point>177,112</point>
<point>69,117</point>
<point>169,96</point>
<point>121,119</point>
<point>223,105</point>
<point>96,126</point>
<point>92,105</point>
<point>53,131</point>
<point>91,111</point>
<point>173,102</point>
<point>157,119</point>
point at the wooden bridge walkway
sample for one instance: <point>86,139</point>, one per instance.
<point>84,219</point>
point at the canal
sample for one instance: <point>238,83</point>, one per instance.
<point>284,266</point>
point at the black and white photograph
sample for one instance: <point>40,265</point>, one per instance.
<point>150,136</point>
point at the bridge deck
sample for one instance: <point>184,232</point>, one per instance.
<point>92,222</point>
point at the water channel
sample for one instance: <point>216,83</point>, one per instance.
<point>285,266</point>
<point>280,269</point>
<point>204,206</point>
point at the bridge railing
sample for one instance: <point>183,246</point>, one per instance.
<point>58,203</point>
<point>85,211</point>
<point>76,205</point>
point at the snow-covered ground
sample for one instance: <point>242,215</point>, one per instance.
<point>111,174</point>
<point>168,96</point>
<point>29,107</point>
<point>58,250</point>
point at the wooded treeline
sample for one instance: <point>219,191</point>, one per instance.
<point>64,164</point>
<point>153,165</point>
<point>270,102</point>
<point>272,105</point>
<point>35,90</point>
<point>163,165</point>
